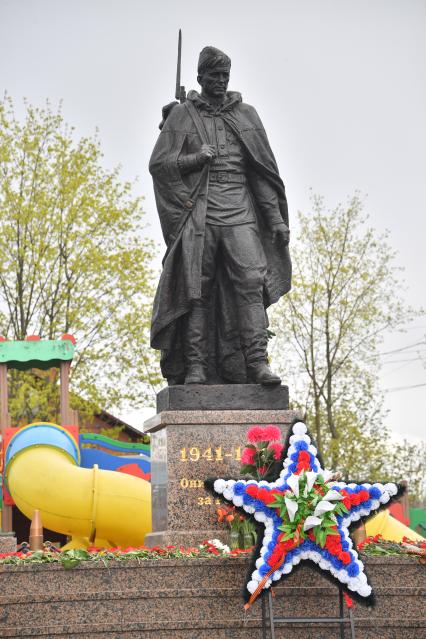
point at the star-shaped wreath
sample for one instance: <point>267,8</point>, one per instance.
<point>306,512</point>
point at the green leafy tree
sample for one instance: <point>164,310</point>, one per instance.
<point>345,295</point>
<point>73,259</point>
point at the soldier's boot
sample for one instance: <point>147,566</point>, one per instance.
<point>196,346</point>
<point>254,341</point>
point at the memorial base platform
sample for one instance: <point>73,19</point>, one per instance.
<point>197,599</point>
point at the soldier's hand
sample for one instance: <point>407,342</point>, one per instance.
<point>206,154</point>
<point>281,231</point>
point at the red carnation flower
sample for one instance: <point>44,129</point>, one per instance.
<point>347,502</point>
<point>271,433</point>
<point>247,456</point>
<point>304,456</point>
<point>303,464</point>
<point>277,448</point>
<point>255,434</point>
<point>345,557</point>
<point>253,491</point>
<point>333,544</point>
<point>263,434</point>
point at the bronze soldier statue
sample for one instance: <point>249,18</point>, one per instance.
<point>224,217</point>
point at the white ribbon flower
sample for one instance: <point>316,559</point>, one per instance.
<point>323,507</point>
<point>333,495</point>
<point>327,474</point>
<point>292,508</point>
<point>311,522</point>
<point>293,482</point>
<point>310,479</point>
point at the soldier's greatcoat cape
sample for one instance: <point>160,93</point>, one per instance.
<point>182,204</point>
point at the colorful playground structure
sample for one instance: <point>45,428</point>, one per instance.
<point>93,489</point>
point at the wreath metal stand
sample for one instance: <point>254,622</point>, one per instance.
<point>269,619</point>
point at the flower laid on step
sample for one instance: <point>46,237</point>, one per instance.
<point>71,558</point>
<point>306,512</point>
<point>216,545</point>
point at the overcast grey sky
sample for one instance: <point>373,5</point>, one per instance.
<point>340,86</point>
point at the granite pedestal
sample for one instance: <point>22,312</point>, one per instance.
<point>190,442</point>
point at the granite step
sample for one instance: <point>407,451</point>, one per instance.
<point>230,629</point>
<point>179,604</point>
<point>146,575</point>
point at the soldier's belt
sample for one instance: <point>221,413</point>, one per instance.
<point>225,176</point>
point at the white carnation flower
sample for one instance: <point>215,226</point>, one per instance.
<point>219,485</point>
<point>299,428</point>
<point>391,488</point>
<point>251,586</point>
<point>365,591</point>
<point>259,516</point>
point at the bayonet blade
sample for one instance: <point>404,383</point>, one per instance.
<point>178,93</point>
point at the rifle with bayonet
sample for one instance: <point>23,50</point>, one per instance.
<point>180,93</point>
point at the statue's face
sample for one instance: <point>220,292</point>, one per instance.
<point>214,82</point>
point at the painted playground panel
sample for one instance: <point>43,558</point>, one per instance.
<point>105,461</point>
<point>114,444</point>
<point>24,355</point>
<point>125,457</point>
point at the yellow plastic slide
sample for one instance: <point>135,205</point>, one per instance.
<point>390,528</point>
<point>43,472</point>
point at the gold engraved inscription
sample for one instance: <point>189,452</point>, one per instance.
<point>191,483</point>
<point>186,483</point>
<point>195,454</point>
